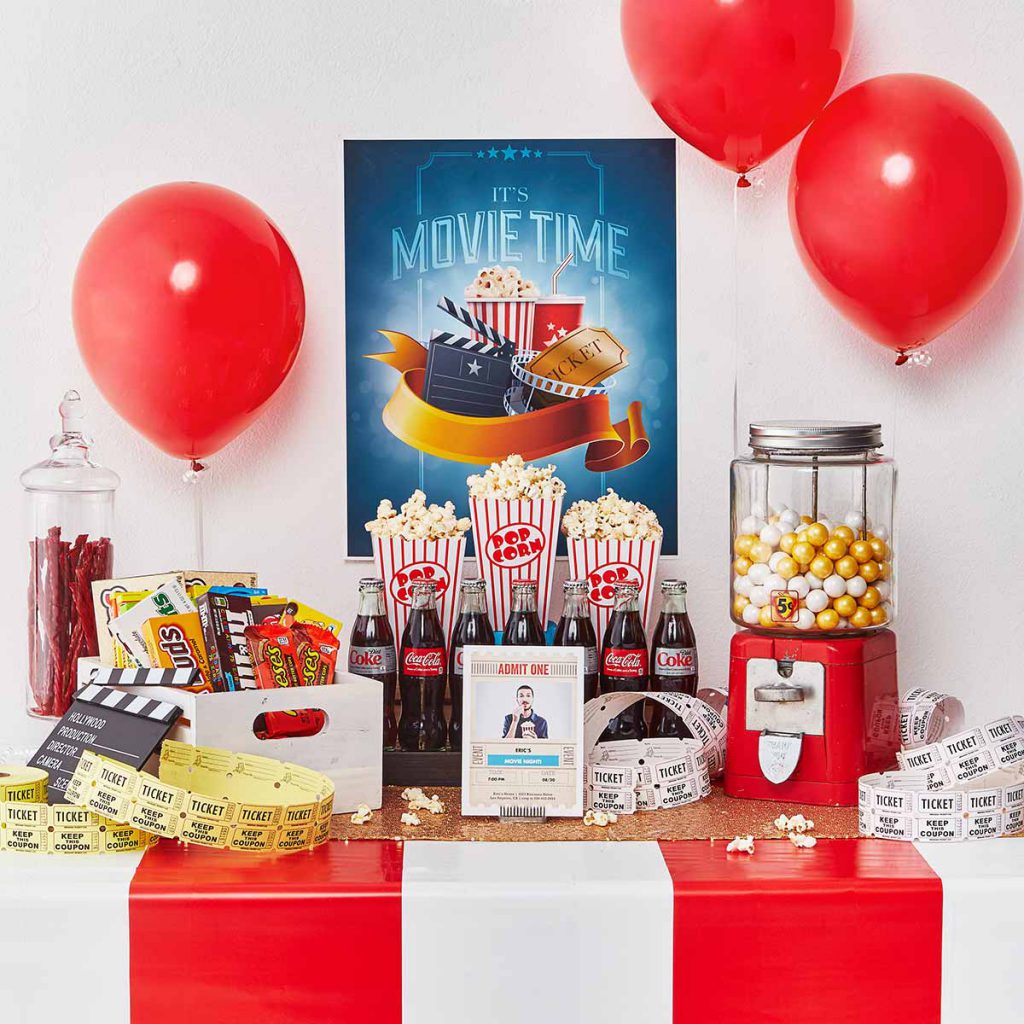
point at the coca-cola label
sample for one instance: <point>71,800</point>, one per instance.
<point>675,661</point>
<point>515,545</point>
<point>620,661</point>
<point>457,661</point>
<point>423,661</point>
<point>415,572</point>
<point>371,661</point>
<point>603,579</point>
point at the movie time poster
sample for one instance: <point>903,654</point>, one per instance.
<point>510,295</point>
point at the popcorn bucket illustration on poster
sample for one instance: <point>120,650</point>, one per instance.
<point>510,297</point>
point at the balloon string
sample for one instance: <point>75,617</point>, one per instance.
<point>736,318</point>
<point>194,477</point>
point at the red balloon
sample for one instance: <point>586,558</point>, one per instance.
<point>905,203</point>
<point>188,308</point>
<point>737,78</point>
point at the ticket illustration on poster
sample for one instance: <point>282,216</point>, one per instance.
<point>510,296</point>
<point>523,741</point>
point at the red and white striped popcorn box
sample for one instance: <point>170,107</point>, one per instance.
<point>603,563</point>
<point>512,318</point>
<point>515,540</point>
<point>402,562</point>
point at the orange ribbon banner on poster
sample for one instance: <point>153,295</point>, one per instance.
<point>488,439</point>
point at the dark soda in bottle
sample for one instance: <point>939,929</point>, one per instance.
<point>422,663</point>
<point>371,652</point>
<point>624,662</point>
<point>673,658</point>
<point>523,628</point>
<point>472,627</point>
<point>576,629</point>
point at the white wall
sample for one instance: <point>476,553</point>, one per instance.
<point>100,99</point>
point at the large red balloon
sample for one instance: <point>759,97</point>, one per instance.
<point>905,203</point>
<point>737,78</point>
<point>188,309</point>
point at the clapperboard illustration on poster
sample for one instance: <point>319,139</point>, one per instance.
<point>126,727</point>
<point>523,743</point>
<point>469,376</point>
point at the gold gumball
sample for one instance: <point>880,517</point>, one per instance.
<point>861,550</point>
<point>760,552</point>
<point>827,619</point>
<point>844,533</point>
<point>787,568</point>
<point>741,566</point>
<point>739,602</point>
<point>801,537</point>
<point>884,570</point>
<point>786,542</point>
<point>743,543</point>
<point>807,520</point>
<point>871,598</point>
<point>764,617</point>
<point>817,534</point>
<point>835,548</point>
<point>821,567</point>
<point>861,618</point>
<point>847,567</point>
<point>845,605</point>
<point>869,570</point>
<point>879,549</point>
<point>879,617</point>
<point>804,553</point>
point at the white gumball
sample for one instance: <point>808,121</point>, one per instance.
<point>758,596</point>
<point>827,523</point>
<point>773,562</point>
<point>884,588</point>
<point>854,520</point>
<point>774,582</point>
<point>812,581</point>
<point>751,615</point>
<point>881,533</point>
<point>800,585</point>
<point>856,586</point>
<point>758,573</point>
<point>789,519</point>
<point>771,535</point>
<point>804,618</point>
<point>752,525</point>
<point>843,623</point>
<point>742,585</point>
<point>834,586</point>
<point>816,601</point>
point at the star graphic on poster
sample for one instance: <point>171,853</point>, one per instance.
<point>525,153</point>
<point>509,153</point>
<point>474,368</point>
<point>479,154</point>
<point>562,332</point>
<point>492,153</point>
<point>536,152</point>
<point>551,327</point>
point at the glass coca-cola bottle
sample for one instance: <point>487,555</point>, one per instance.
<point>673,658</point>
<point>576,629</point>
<point>421,673</point>
<point>472,627</point>
<point>371,652</point>
<point>624,662</point>
<point>523,628</point>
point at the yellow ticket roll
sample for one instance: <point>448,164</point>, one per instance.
<point>212,798</point>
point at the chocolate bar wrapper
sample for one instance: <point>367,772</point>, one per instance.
<point>303,614</point>
<point>228,610</point>
<point>176,641</point>
<point>103,592</point>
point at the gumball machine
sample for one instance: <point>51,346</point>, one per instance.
<point>813,703</point>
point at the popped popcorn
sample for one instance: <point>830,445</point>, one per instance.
<point>363,815</point>
<point>410,818</point>
<point>497,283</point>
<point>412,793</point>
<point>422,802</point>
<point>417,520</point>
<point>611,518</point>
<point>741,844</point>
<point>513,480</point>
<point>801,840</point>
<point>798,823</point>
<point>600,818</point>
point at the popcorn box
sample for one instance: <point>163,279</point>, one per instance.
<point>512,318</point>
<point>515,540</point>
<point>402,562</point>
<point>603,563</point>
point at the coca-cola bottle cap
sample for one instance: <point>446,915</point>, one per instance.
<point>477,586</point>
<point>423,587</point>
<point>574,587</point>
<point>626,589</point>
<point>524,585</point>
<point>673,586</point>
<point>371,583</point>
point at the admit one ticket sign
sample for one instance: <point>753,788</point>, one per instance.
<point>522,747</point>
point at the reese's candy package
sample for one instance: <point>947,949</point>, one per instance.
<point>303,613</point>
<point>176,641</point>
<point>271,650</point>
<point>316,654</point>
<point>277,724</point>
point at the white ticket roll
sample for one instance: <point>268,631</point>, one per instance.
<point>968,785</point>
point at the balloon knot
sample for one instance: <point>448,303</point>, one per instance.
<point>901,358</point>
<point>196,466</point>
<point>743,182</point>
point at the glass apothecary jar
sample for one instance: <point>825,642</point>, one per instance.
<point>70,515</point>
<point>812,529</point>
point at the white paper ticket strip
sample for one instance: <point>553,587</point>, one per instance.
<point>630,775</point>
<point>212,798</point>
<point>968,785</point>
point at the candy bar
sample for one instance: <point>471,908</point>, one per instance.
<point>271,650</point>
<point>168,599</point>
<point>176,641</point>
<point>224,612</point>
<point>316,654</point>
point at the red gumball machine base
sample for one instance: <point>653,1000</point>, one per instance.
<point>808,717</point>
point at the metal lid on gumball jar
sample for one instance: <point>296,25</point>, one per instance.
<point>814,437</point>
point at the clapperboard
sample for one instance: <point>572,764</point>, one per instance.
<point>467,376</point>
<point>123,726</point>
<point>102,675</point>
